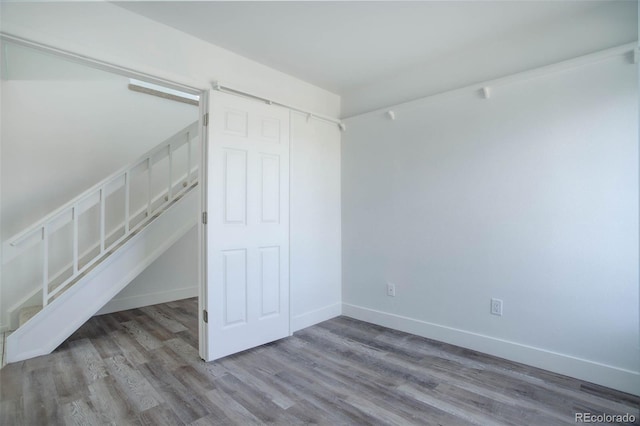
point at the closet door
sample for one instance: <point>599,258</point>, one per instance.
<point>247,230</point>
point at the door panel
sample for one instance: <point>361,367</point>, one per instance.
<point>235,186</point>
<point>234,282</point>
<point>247,234</point>
<point>270,188</point>
<point>270,280</point>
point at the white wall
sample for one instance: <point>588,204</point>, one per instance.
<point>315,260</point>
<point>530,197</point>
<point>107,32</point>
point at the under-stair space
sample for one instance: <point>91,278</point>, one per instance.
<point>76,259</point>
<point>27,313</point>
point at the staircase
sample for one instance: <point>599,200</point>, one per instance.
<point>88,250</point>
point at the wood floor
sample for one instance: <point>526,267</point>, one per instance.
<point>142,367</point>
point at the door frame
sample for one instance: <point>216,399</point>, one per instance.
<point>203,175</point>
<point>110,67</point>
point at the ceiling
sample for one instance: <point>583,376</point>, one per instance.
<point>341,45</point>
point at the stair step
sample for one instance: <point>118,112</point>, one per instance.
<point>112,250</point>
<point>27,313</point>
<point>60,319</point>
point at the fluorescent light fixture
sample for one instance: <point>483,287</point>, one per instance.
<point>164,92</point>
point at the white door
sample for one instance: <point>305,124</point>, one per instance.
<point>247,230</point>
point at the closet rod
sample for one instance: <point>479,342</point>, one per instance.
<point>217,86</point>
<point>486,86</point>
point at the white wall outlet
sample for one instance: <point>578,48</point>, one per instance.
<point>496,307</point>
<point>391,290</point>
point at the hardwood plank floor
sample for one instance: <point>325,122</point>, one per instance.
<point>141,367</point>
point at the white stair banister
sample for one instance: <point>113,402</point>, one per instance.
<point>46,328</point>
<point>178,182</point>
<point>45,264</point>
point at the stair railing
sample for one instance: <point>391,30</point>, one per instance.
<point>178,182</point>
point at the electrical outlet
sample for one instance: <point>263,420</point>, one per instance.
<point>391,290</point>
<point>496,307</point>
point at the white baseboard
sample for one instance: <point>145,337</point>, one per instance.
<point>605,375</point>
<point>133,302</point>
<point>314,317</point>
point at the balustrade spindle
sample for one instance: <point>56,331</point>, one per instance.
<point>59,217</point>
<point>45,264</point>
<point>188,158</point>
<point>127,201</point>
<point>74,213</point>
<point>102,218</point>
<point>170,188</point>
<point>150,190</point>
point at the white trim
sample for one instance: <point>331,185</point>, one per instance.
<point>595,372</point>
<point>133,302</point>
<point>203,328</point>
<point>290,295</point>
<point>3,327</point>
<point>579,61</point>
<point>316,316</point>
